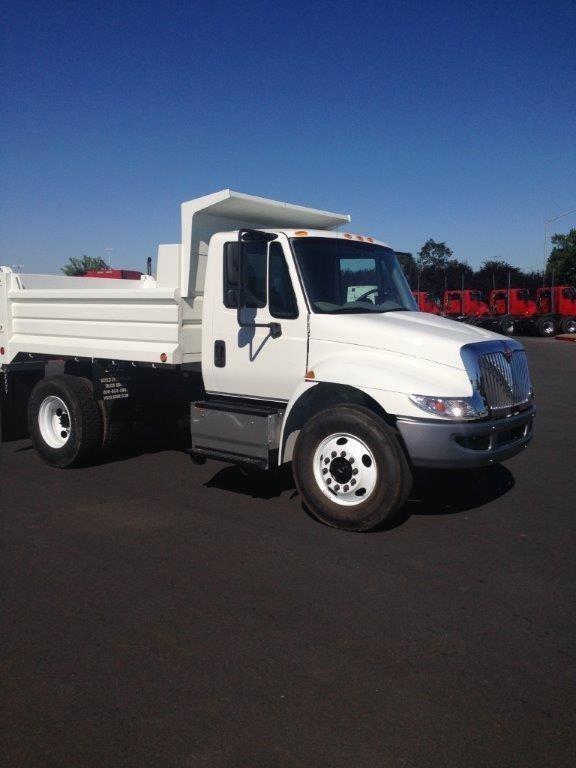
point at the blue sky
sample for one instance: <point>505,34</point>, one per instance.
<point>451,120</point>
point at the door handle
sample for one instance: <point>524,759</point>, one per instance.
<point>219,354</point>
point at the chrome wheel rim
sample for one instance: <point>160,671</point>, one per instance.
<point>345,469</point>
<point>54,422</point>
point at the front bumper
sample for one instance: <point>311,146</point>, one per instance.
<point>460,445</point>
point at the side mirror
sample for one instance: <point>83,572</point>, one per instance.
<point>245,235</point>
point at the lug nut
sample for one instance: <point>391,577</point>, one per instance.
<point>333,454</point>
<point>351,460</point>
<point>342,453</point>
<point>324,471</point>
<point>326,461</point>
<point>352,482</point>
<point>354,471</point>
<point>329,480</point>
<point>346,488</point>
<point>336,487</point>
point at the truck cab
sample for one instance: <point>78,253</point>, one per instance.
<point>427,302</point>
<point>559,304</point>
<point>465,304</point>
<point>514,301</point>
<point>285,337</point>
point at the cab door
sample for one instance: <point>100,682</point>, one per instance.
<point>248,361</point>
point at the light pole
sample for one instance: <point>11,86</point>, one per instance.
<point>108,250</point>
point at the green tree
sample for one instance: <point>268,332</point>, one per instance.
<point>79,267</point>
<point>563,259</point>
<point>493,273</point>
<point>433,255</point>
<point>438,270</point>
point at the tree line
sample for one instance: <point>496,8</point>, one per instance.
<point>435,269</point>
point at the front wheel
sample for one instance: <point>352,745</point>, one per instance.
<point>507,326</point>
<point>350,469</point>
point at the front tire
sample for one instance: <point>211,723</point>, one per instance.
<point>350,469</point>
<point>546,327</point>
<point>64,421</point>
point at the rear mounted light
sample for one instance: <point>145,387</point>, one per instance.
<point>163,357</point>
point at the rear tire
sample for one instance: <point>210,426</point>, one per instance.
<point>64,421</point>
<point>546,327</point>
<point>350,469</point>
<point>568,325</point>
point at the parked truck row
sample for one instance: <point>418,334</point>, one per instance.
<point>508,310</point>
<point>278,336</point>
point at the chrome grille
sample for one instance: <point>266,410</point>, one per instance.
<point>504,384</point>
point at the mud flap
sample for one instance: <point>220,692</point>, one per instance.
<point>16,384</point>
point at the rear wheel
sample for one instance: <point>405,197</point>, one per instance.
<point>568,325</point>
<point>546,327</point>
<point>64,421</point>
<point>350,469</point>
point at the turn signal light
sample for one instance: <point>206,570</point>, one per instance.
<point>301,233</point>
<point>2,350</point>
<point>163,357</point>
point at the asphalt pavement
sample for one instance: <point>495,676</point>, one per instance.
<point>157,613</point>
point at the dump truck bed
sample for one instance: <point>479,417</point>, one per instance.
<point>75,316</point>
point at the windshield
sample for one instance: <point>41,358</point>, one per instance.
<point>345,276</point>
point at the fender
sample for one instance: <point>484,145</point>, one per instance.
<point>378,380</point>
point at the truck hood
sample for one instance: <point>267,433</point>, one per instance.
<point>416,334</point>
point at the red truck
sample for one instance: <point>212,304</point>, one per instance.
<point>427,302</point>
<point>558,303</point>
<point>519,312</point>
<point>468,306</point>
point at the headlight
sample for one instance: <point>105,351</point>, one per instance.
<point>462,408</point>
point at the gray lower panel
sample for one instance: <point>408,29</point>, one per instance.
<point>448,445</point>
<point>236,434</point>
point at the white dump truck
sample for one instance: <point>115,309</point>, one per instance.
<point>283,337</point>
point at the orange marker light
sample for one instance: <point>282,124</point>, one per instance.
<point>370,239</point>
<point>348,236</point>
<point>359,237</point>
<point>301,233</point>
<point>163,357</point>
<point>309,375</point>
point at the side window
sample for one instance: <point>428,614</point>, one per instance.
<point>255,275</point>
<point>281,294</point>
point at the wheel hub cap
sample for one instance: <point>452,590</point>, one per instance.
<point>54,422</point>
<point>345,469</point>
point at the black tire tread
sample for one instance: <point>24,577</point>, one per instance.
<point>78,393</point>
<point>383,434</point>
